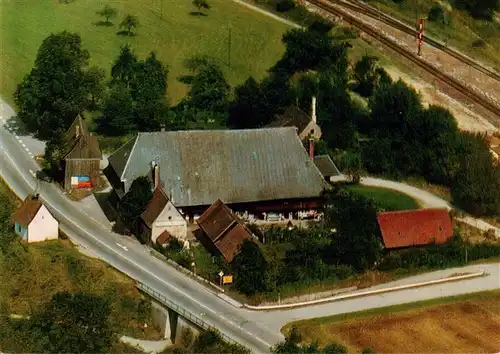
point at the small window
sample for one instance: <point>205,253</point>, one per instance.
<point>169,218</point>
<point>311,132</point>
<point>399,233</point>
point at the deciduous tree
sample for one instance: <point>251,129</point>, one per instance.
<point>135,201</point>
<point>356,241</point>
<point>118,113</point>
<point>365,75</point>
<point>250,267</point>
<point>125,67</point>
<point>58,87</point>
<point>107,12</point>
<point>74,323</point>
<point>479,8</point>
<point>148,78</point>
<point>201,4</point>
<point>476,186</point>
<point>311,50</point>
<point>130,22</point>
<point>246,109</point>
<point>209,89</point>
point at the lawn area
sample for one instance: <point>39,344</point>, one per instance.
<point>462,324</point>
<point>32,273</point>
<point>461,32</point>
<point>387,199</point>
<point>175,36</point>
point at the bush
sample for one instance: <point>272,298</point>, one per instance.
<point>451,254</point>
<point>321,25</point>
<point>478,43</point>
<point>437,14</point>
<point>285,5</point>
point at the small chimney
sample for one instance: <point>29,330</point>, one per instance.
<point>77,132</point>
<point>156,175</point>
<point>311,148</point>
<point>313,108</point>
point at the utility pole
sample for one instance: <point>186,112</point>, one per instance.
<point>229,47</point>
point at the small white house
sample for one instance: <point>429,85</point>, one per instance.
<point>161,217</point>
<point>34,222</point>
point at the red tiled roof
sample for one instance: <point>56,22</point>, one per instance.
<point>27,211</point>
<point>163,238</point>
<point>229,245</point>
<point>154,207</point>
<point>415,227</point>
<point>217,218</point>
<point>224,229</point>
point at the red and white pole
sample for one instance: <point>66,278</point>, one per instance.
<point>420,35</point>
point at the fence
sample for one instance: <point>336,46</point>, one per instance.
<point>183,312</point>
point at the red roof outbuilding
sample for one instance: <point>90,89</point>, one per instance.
<point>224,229</point>
<point>415,227</point>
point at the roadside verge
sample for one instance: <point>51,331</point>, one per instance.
<point>366,293</point>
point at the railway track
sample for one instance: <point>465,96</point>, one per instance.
<point>380,16</point>
<point>473,96</point>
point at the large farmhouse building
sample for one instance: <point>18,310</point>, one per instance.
<point>254,170</point>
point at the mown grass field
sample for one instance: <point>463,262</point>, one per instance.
<point>32,273</point>
<point>175,36</point>
<point>386,198</point>
<point>461,31</point>
<point>463,324</point>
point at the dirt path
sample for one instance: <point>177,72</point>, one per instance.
<point>147,346</point>
<point>466,118</point>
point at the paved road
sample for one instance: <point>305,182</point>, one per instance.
<point>256,330</point>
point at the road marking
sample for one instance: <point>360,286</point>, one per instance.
<point>23,144</point>
<point>126,259</point>
<point>122,246</point>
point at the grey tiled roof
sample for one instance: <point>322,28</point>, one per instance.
<point>236,166</point>
<point>326,166</point>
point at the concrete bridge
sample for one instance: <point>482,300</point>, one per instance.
<point>173,320</point>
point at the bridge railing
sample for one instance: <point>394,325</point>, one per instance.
<point>183,312</point>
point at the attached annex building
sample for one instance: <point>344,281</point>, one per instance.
<point>161,220</point>
<point>253,170</point>
<point>223,231</point>
<point>306,125</point>
<point>33,222</point>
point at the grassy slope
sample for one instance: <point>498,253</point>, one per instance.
<point>386,198</point>
<point>256,39</point>
<point>469,323</point>
<point>460,33</point>
<point>44,269</point>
